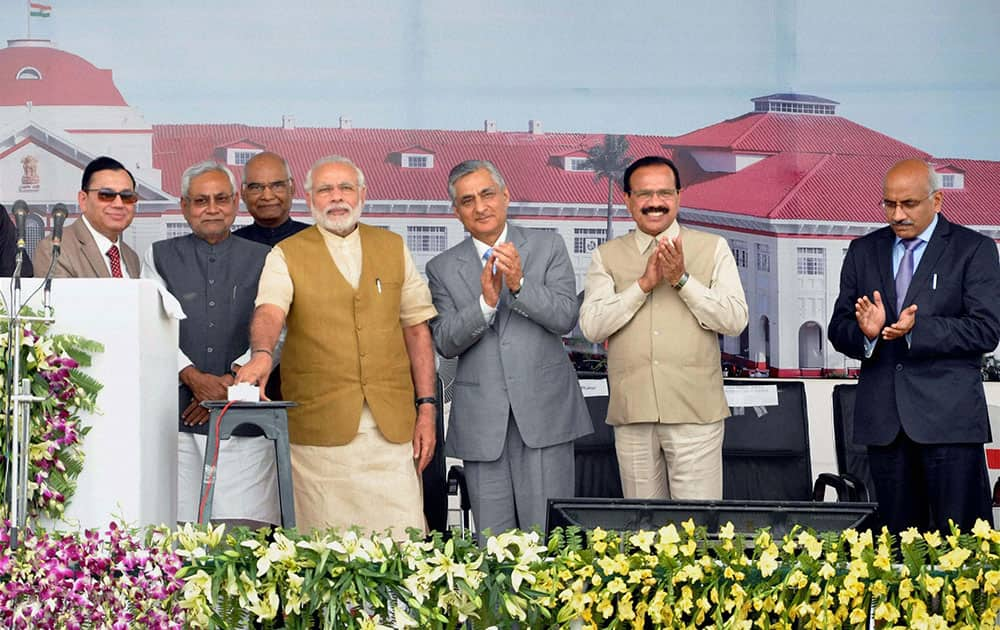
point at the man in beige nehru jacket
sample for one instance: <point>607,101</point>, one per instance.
<point>661,295</point>
<point>357,359</point>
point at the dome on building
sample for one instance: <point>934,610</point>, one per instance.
<point>33,70</point>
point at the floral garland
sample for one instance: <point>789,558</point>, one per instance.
<point>56,454</point>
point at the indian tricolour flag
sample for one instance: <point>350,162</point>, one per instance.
<point>40,10</point>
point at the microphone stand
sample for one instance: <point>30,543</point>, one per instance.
<point>19,405</point>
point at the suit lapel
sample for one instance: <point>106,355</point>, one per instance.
<point>883,254</point>
<point>469,267</point>
<point>89,250</point>
<point>928,261</point>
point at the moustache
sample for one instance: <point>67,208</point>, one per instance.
<point>663,209</point>
<point>340,205</point>
<point>902,222</point>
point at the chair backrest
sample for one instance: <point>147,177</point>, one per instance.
<point>765,452</point>
<point>851,458</point>
<point>435,476</point>
<point>597,472</point>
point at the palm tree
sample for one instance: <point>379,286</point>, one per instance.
<point>608,161</point>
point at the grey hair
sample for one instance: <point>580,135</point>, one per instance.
<point>471,166</point>
<point>284,164</point>
<point>208,166</point>
<point>334,159</point>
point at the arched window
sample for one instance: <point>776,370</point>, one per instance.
<point>28,73</point>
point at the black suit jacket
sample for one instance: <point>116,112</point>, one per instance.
<point>932,389</point>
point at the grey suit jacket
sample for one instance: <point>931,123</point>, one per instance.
<point>79,256</point>
<point>519,363</point>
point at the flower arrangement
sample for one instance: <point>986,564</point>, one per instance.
<point>670,578</point>
<point>118,578</point>
<point>55,457</point>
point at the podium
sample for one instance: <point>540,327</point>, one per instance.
<point>130,465</point>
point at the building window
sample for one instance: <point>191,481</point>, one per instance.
<point>426,238</point>
<point>739,252</point>
<point>239,157</point>
<point>412,160</point>
<point>175,229</point>
<point>28,73</point>
<point>763,257</point>
<point>578,164</point>
<point>952,180</point>
<point>586,240</point>
<point>811,261</point>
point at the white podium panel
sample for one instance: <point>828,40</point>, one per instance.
<point>130,470</point>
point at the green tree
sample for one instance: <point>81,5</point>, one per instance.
<point>608,160</point>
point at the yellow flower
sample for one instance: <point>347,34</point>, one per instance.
<point>858,615</point>
<point>954,559</point>
<point>827,571</point>
<point>689,547</point>
<point>992,581</point>
<point>813,546</point>
<point>668,535</point>
<point>886,612</point>
<point>688,526</point>
<point>768,562</point>
<point>933,539</point>
<point>643,540</point>
<point>727,532</point>
<point>616,585</point>
<point>933,584</point>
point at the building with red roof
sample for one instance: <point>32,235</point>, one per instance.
<point>787,184</point>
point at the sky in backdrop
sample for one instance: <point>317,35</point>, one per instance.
<point>926,73</point>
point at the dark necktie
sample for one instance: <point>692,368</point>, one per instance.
<point>116,261</point>
<point>905,273</point>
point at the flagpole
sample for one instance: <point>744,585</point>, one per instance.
<point>28,6</point>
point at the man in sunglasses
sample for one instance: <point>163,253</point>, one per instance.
<point>268,189</point>
<point>92,247</point>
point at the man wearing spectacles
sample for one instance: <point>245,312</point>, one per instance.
<point>93,247</point>
<point>661,295</point>
<point>268,189</point>
<point>214,279</point>
<point>919,305</point>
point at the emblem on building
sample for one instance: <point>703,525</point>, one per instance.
<point>30,181</point>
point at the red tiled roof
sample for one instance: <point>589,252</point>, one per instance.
<point>812,186</point>
<point>66,79</point>
<point>523,158</point>
<point>770,132</point>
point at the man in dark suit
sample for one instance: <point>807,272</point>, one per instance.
<point>919,305</point>
<point>504,297</point>
<point>92,246</point>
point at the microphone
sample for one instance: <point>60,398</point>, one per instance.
<point>20,211</point>
<point>59,213</point>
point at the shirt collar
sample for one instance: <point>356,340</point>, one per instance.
<point>642,240</point>
<point>482,248</point>
<point>341,241</point>
<point>103,244</point>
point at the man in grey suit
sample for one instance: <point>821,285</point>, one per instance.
<point>504,298</point>
<point>92,246</point>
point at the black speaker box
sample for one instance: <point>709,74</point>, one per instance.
<point>630,515</point>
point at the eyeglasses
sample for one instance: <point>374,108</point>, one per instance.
<point>107,195</point>
<point>256,188</point>
<point>907,204</point>
<point>202,202</point>
<point>327,190</point>
<point>647,195</point>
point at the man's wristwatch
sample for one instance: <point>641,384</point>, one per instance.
<point>425,400</point>
<point>680,283</point>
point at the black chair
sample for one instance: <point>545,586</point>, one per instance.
<point>596,462</point>
<point>439,482</point>
<point>765,452</point>
<point>854,481</point>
